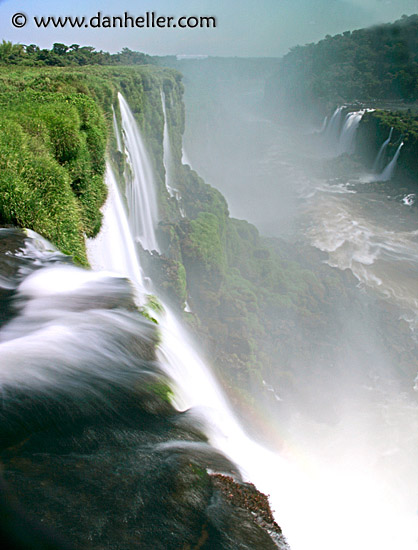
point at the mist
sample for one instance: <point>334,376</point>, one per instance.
<point>329,405</point>
<point>339,404</point>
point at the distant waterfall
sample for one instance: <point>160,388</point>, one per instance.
<point>140,186</point>
<point>168,156</point>
<point>195,385</point>
<point>346,142</point>
<point>323,127</point>
<point>184,158</point>
<point>382,150</point>
<point>332,131</point>
<point>388,172</point>
<point>116,131</point>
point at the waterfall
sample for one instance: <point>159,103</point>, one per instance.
<point>323,127</point>
<point>140,187</point>
<point>346,142</point>
<point>168,157</point>
<point>377,162</point>
<point>332,131</point>
<point>388,172</point>
<point>116,131</point>
<point>184,157</point>
<point>195,386</point>
<point>168,160</point>
<point>114,249</point>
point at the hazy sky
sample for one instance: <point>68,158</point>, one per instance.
<point>244,27</point>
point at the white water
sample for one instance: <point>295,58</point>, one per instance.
<point>388,172</point>
<point>333,496</point>
<point>333,129</point>
<point>346,142</point>
<point>356,241</point>
<point>168,156</point>
<point>184,158</point>
<point>114,248</point>
<point>377,162</point>
<point>140,187</point>
<point>194,384</point>
<point>116,131</point>
<point>324,125</point>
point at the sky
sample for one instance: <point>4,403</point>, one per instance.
<point>244,27</point>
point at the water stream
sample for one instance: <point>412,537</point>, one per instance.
<point>195,386</point>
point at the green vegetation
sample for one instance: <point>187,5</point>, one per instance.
<point>61,55</point>
<point>246,293</point>
<point>52,148</point>
<point>374,129</point>
<point>55,125</point>
<point>375,63</point>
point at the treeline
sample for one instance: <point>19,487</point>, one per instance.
<point>61,55</point>
<point>375,63</point>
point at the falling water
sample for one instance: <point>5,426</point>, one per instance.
<point>194,384</point>
<point>332,130</point>
<point>140,188</point>
<point>116,131</point>
<point>114,249</point>
<point>377,162</point>
<point>346,142</point>
<point>388,172</point>
<point>324,125</point>
<point>168,157</point>
<point>184,158</point>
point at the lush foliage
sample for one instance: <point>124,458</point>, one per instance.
<point>379,62</point>
<point>61,55</point>
<point>52,149</point>
<point>374,129</point>
<point>55,126</point>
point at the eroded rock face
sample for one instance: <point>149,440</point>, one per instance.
<point>90,445</point>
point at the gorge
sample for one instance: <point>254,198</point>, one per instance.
<point>142,398</point>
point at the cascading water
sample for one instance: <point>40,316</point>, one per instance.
<point>140,189</point>
<point>168,157</point>
<point>114,248</point>
<point>168,160</point>
<point>388,172</point>
<point>346,142</point>
<point>184,158</point>
<point>382,150</point>
<point>323,127</point>
<point>333,129</point>
<point>116,131</point>
<point>195,385</point>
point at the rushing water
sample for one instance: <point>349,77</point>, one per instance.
<point>346,141</point>
<point>389,171</point>
<point>140,188</point>
<point>333,129</point>
<point>377,163</point>
<point>168,156</point>
<point>357,482</point>
<point>196,388</point>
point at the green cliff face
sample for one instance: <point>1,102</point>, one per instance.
<point>374,130</point>
<point>246,293</point>
<point>56,127</point>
